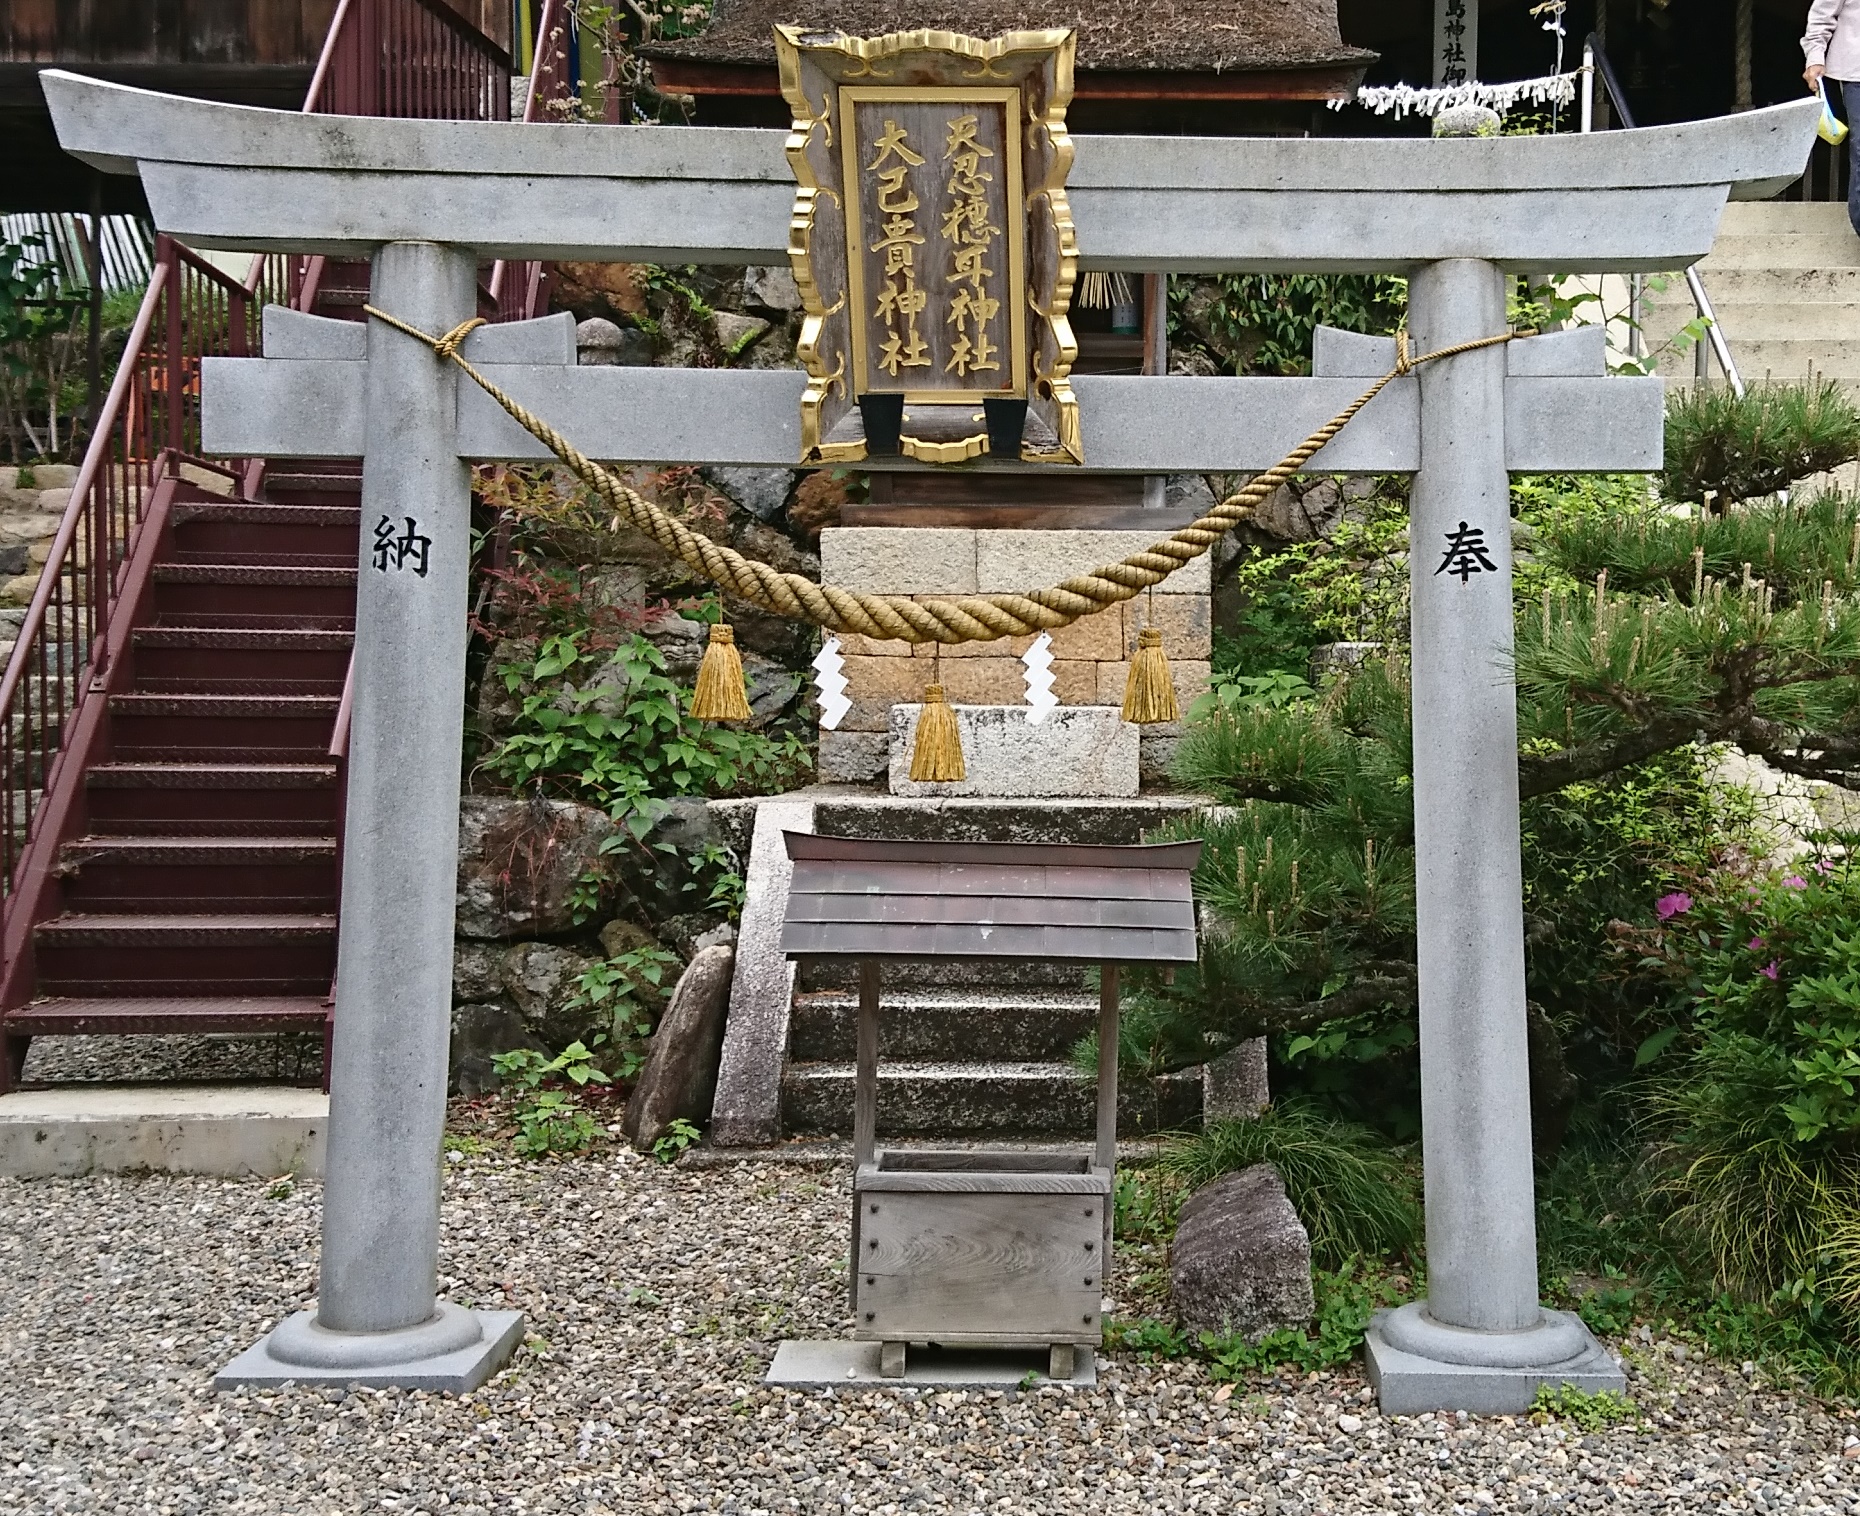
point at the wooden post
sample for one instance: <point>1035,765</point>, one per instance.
<point>1107,1066</point>
<point>865,1077</point>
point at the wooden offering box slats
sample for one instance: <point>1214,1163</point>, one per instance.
<point>994,1248</point>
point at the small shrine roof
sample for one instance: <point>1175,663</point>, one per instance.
<point>1187,36</point>
<point>858,898</point>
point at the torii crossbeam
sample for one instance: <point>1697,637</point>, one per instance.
<point>428,199</point>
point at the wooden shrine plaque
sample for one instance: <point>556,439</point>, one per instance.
<point>931,237</point>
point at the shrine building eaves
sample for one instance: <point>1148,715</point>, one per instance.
<point>235,177</point>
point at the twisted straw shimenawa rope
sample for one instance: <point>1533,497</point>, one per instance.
<point>968,618</point>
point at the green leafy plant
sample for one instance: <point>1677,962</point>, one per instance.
<point>1346,1297</point>
<point>1590,1412</point>
<point>627,988</point>
<point>551,1120</point>
<point>1263,323</point>
<point>613,732</point>
<point>679,1136</point>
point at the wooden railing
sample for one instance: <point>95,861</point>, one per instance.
<point>147,434</point>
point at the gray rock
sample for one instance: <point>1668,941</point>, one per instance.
<point>477,972</point>
<point>1188,491</point>
<point>479,1033</point>
<point>600,343</point>
<point>1301,511</point>
<point>763,492</point>
<point>686,823</point>
<point>519,861</point>
<point>1190,363</point>
<point>680,1076</point>
<point>14,559</point>
<point>540,977</point>
<point>771,289</point>
<point>1468,120</point>
<point>621,936</point>
<point>1241,1260</point>
<point>737,334</point>
<point>1234,1086</point>
<point>1329,658</point>
<point>691,933</point>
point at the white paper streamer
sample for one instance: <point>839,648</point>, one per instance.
<point>1039,662</point>
<point>831,684</point>
<point>1401,100</point>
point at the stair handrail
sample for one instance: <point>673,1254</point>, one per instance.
<point>1596,61</point>
<point>547,57</point>
<point>142,435</point>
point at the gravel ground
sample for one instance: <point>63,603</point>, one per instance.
<point>655,1297</point>
<point>272,1057</point>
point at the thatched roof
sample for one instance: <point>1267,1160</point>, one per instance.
<point>1200,36</point>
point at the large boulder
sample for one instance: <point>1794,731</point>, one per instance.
<point>519,861</point>
<point>680,1076</point>
<point>1241,1259</point>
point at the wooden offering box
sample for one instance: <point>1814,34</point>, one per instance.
<point>1000,1248</point>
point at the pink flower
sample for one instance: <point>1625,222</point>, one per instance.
<point>1772,969</point>
<point>1754,943</point>
<point>1795,882</point>
<point>1822,866</point>
<point>1669,906</point>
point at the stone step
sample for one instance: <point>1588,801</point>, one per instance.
<point>1787,218</point>
<point>976,1099</point>
<point>926,1025</point>
<point>1768,284</point>
<point>1832,250</point>
<point>1005,977</point>
<point>1781,360</point>
<point>1768,322</point>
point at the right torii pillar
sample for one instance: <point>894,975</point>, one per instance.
<point>1480,1341</point>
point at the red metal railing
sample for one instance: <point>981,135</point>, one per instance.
<point>147,433</point>
<point>409,59</point>
<point>402,58</point>
<point>518,289</point>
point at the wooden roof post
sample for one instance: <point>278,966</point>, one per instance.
<point>1106,1156</point>
<point>865,1077</point>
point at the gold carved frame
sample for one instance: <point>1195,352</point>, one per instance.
<point>1031,74</point>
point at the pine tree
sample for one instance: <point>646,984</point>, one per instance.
<point>1644,636</point>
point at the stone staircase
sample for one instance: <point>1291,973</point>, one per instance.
<point>970,1050</point>
<point>1784,278</point>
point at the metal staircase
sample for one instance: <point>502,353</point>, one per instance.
<point>171,817</point>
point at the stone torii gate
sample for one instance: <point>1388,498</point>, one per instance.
<point>428,200</point>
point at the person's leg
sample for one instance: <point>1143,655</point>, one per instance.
<point>1850,97</point>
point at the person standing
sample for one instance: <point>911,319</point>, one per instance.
<point>1831,44</point>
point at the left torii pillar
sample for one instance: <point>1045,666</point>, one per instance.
<point>378,1320</point>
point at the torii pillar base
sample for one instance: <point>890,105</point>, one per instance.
<point>1417,1364</point>
<point>454,1352</point>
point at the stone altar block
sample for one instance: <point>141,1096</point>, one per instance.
<point>1079,751</point>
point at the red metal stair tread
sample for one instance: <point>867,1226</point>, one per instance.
<point>152,929</point>
<point>75,1016</point>
<point>286,638</point>
<point>268,514</point>
<point>250,573</point>
<point>219,703</point>
<point>196,775</point>
<point>198,849</point>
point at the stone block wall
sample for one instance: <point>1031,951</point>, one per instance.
<point>1091,658</point>
<point>30,510</point>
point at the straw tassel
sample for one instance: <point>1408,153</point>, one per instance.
<point>1149,693</point>
<point>719,694</point>
<point>937,757</point>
